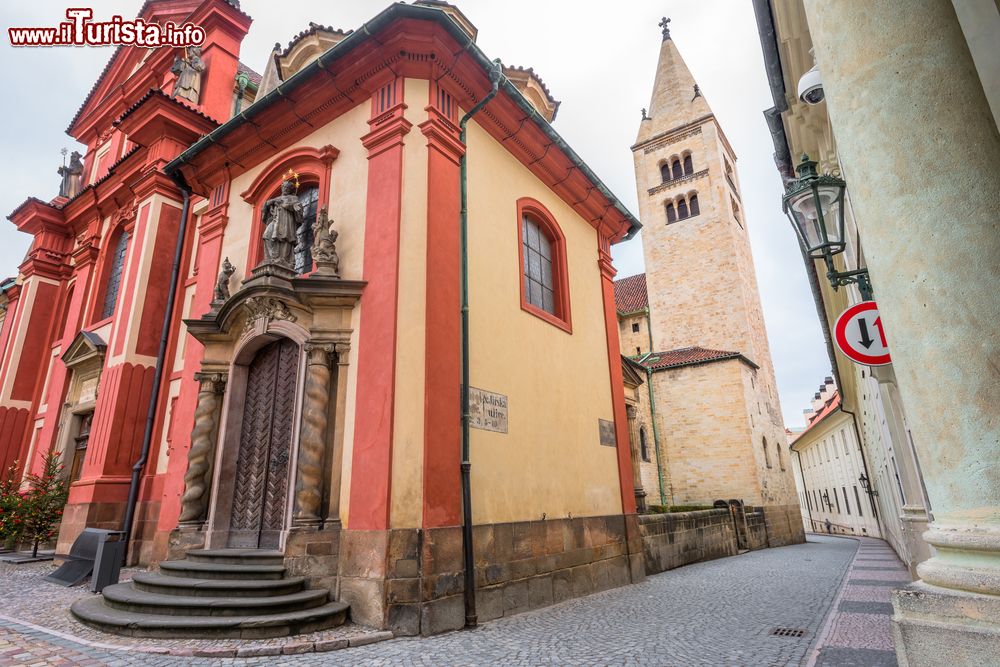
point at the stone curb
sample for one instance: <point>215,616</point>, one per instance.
<point>291,648</point>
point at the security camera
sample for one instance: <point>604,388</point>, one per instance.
<point>811,87</point>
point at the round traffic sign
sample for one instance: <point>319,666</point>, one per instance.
<point>860,335</point>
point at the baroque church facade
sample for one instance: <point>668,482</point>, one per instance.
<point>239,325</point>
<point>707,418</point>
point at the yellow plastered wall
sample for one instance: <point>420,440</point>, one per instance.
<point>348,186</point>
<point>411,307</point>
<point>551,460</point>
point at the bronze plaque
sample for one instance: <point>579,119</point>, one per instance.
<point>607,430</point>
<point>487,411</point>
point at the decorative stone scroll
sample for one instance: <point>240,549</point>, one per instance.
<point>267,309</point>
<point>197,479</point>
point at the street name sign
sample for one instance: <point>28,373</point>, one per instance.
<point>860,335</point>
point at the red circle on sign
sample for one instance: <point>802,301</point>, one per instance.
<point>840,334</point>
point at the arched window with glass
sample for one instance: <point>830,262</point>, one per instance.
<point>113,283</point>
<point>544,283</point>
<point>309,198</point>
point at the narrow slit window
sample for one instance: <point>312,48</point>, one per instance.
<point>114,281</point>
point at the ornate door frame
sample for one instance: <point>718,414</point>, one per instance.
<point>257,335</point>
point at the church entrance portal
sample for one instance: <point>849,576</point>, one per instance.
<point>260,490</point>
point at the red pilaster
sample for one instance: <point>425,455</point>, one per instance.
<point>442,415</point>
<point>371,471</point>
<point>625,479</point>
<point>208,257</point>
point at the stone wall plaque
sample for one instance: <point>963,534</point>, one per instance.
<point>607,430</point>
<point>88,390</point>
<point>488,411</point>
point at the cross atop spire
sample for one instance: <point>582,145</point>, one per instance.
<point>665,24</point>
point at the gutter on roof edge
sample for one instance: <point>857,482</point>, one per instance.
<point>782,153</point>
<point>384,18</point>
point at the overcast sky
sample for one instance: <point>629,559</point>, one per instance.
<point>599,62</point>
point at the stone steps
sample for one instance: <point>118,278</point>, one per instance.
<point>154,582</point>
<point>95,613</point>
<point>222,593</point>
<point>196,570</point>
<point>127,598</point>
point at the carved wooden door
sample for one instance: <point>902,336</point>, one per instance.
<point>261,486</point>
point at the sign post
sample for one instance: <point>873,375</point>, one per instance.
<point>860,335</point>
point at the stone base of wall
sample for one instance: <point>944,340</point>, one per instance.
<point>938,626</point>
<point>411,581</point>
<point>314,553</point>
<point>784,525</point>
<point>77,516</point>
<point>679,538</point>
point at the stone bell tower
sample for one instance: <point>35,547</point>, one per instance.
<point>726,437</point>
<point>699,269</point>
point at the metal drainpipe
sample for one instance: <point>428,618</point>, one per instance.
<point>652,412</point>
<point>147,436</point>
<point>471,618</point>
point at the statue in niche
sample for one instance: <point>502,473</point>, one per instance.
<point>324,250</point>
<point>283,215</point>
<point>221,293</point>
<point>188,70</point>
<point>72,176</point>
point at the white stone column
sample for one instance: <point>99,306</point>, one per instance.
<point>921,157</point>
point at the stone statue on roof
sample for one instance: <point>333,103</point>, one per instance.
<point>188,70</point>
<point>72,176</point>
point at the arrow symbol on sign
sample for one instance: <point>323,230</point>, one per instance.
<point>866,339</point>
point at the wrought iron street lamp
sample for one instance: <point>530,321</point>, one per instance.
<point>866,485</point>
<point>826,499</point>
<point>815,205</point>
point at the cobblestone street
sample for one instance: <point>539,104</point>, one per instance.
<point>722,612</point>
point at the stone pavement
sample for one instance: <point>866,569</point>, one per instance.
<point>858,631</point>
<point>723,612</point>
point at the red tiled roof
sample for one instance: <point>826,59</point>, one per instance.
<point>630,294</point>
<point>832,405</point>
<point>687,356</point>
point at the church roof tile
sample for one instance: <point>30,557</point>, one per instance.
<point>630,294</point>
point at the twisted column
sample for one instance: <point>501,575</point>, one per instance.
<point>312,437</point>
<point>197,479</point>
<point>633,442</point>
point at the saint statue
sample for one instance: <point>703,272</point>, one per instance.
<point>72,176</point>
<point>283,215</point>
<point>188,70</point>
<point>324,250</point>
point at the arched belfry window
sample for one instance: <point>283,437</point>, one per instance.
<point>114,282</point>
<point>693,202</point>
<point>688,166</point>
<point>682,209</point>
<point>671,213</point>
<point>665,172</point>
<point>544,282</point>
<point>309,198</point>
<point>677,169</point>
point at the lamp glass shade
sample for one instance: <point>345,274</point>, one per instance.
<point>815,206</point>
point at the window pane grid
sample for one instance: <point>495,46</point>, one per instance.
<point>115,277</point>
<point>539,280</point>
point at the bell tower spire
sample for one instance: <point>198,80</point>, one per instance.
<point>676,98</point>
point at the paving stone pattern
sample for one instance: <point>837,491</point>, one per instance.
<point>858,632</point>
<point>720,612</point>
